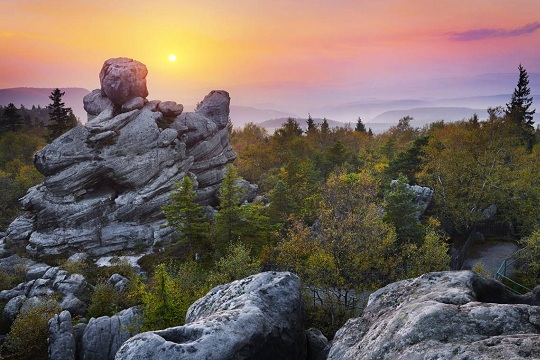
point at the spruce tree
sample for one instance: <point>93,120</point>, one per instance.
<point>360,127</point>
<point>229,216</point>
<point>185,214</point>
<point>519,108</point>
<point>61,118</point>
<point>311,124</point>
<point>11,119</point>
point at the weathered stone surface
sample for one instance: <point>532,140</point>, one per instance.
<point>123,79</point>
<point>43,281</point>
<point>103,336</point>
<point>250,191</point>
<point>317,345</point>
<point>170,108</point>
<point>445,315</point>
<point>259,317</point>
<point>105,182</point>
<point>119,282</point>
<point>61,337</point>
<point>95,103</point>
<point>136,103</point>
<point>12,308</point>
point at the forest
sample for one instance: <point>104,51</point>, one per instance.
<point>326,209</point>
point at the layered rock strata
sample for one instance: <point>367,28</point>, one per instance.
<point>445,315</point>
<point>105,182</point>
<point>259,317</point>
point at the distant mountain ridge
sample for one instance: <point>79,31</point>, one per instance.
<point>29,97</point>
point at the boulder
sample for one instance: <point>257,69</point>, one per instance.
<point>103,336</point>
<point>170,108</point>
<point>95,103</point>
<point>61,337</point>
<point>317,345</point>
<point>44,281</point>
<point>106,181</point>
<point>11,309</point>
<point>259,317</point>
<point>444,315</point>
<point>119,282</point>
<point>123,79</point>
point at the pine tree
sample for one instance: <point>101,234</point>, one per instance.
<point>61,118</point>
<point>11,119</point>
<point>186,215</point>
<point>280,202</point>
<point>229,217</point>
<point>325,128</point>
<point>360,127</point>
<point>311,124</point>
<point>519,108</point>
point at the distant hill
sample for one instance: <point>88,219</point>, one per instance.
<point>73,98</point>
<point>241,115</point>
<point>428,115</point>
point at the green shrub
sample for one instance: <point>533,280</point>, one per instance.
<point>10,278</point>
<point>29,332</point>
<point>104,301</point>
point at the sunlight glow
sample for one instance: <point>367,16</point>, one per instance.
<point>172,58</point>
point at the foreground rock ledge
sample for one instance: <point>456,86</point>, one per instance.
<point>259,317</point>
<point>445,315</point>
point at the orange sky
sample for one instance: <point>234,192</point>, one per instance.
<point>260,49</point>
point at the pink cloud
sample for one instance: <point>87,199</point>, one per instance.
<point>481,34</point>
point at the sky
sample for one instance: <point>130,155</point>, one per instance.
<point>280,54</point>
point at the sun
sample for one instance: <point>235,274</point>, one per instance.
<point>172,58</point>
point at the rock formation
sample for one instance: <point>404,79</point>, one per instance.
<point>97,340</point>
<point>45,281</point>
<point>259,317</point>
<point>105,182</point>
<point>445,315</point>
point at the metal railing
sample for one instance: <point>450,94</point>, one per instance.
<point>502,275</point>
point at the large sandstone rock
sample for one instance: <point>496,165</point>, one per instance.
<point>61,337</point>
<point>123,79</point>
<point>445,315</point>
<point>106,181</point>
<point>259,317</point>
<point>103,336</point>
<point>99,339</point>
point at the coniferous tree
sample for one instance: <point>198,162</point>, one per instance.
<point>360,127</point>
<point>229,217</point>
<point>519,108</point>
<point>311,124</point>
<point>61,118</point>
<point>402,212</point>
<point>325,127</point>
<point>11,119</point>
<point>186,215</point>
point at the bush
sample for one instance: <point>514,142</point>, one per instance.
<point>104,301</point>
<point>12,277</point>
<point>29,332</point>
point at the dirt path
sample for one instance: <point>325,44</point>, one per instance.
<point>491,254</point>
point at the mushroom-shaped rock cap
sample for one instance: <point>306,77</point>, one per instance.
<point>123,79</point>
